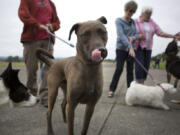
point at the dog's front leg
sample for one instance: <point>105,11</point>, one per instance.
<point>161,105</point>
<point>168,77</point>
<point>64,102</point>
<point>70,110</point>
<point>88,114</point>
<point>52,94</point>
<point>175,83</point>
<point>63,108</point>
<point>164,106</point>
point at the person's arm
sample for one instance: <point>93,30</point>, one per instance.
<point>178,36</point>
<point>120,34</point>
<point>25,15</point>
<point>141,37</point>
<point>166,35</point>
<point>160,33</point>
<point>135,36</point>
<point>55,22</point>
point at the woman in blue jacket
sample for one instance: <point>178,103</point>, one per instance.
<point>125,45</point>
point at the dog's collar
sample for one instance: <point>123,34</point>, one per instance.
<point>161,87</point>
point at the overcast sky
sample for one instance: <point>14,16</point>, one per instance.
<point>166,13</point>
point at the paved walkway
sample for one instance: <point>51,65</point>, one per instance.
<point>111,117</point>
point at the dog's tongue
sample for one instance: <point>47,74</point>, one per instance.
<point>96,55</point>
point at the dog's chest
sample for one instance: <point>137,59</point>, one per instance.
<point>89,95</point>
<point>89,90</point>
<point>86,84</point>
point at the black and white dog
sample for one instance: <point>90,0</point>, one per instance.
<point>172,62</point>
<point>12,91</point>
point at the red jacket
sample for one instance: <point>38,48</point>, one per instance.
<point>26,14</point>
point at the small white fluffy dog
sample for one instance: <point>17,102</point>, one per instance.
<point>138,94</point>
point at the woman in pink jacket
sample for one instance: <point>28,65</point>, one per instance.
<point>146,29</point>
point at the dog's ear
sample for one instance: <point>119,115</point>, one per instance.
<point>7,70</point>
<point>174,41</point>
<point>9,66</point>
<point>74,27</point>
<point>102,19</point>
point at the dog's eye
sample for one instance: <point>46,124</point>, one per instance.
<point>86,34</point>
<point>102,33</point>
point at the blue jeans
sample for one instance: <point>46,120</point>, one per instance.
<point>121,57</point>
<point>144,56</point>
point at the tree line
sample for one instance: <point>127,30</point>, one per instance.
<point>11,58</point>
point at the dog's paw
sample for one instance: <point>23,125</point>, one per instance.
<point>166,108</point>
<point>129,104</point>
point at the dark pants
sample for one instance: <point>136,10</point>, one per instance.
<point>144,56</point>
<point>121,57</point>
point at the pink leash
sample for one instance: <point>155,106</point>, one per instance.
<point>144,69</point>
<point>149,74</point>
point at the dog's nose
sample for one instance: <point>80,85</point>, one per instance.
<point>103,52</point>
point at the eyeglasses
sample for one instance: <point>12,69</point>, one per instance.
<point>132,11</point>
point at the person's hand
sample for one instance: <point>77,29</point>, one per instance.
<point>50,27</point>
<point>131,52</point>
<point>130,39</point>
<point>141,37</point>
<point>177,36</point>
<point>43,27</point>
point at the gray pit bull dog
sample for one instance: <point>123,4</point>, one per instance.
<point>80,77</point>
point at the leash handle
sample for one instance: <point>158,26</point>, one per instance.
<point>71,45</point>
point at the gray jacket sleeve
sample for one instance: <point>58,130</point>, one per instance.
<point>121,37</point>
<point>135,37</point>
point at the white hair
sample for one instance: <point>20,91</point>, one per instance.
<point>147,9</point>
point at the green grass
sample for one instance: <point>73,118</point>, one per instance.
<point>162,65</point>
<point>108,62</point>
<point>21,64</point>
<point>14,64</point>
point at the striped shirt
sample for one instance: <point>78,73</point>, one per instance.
<point>154,29</point>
